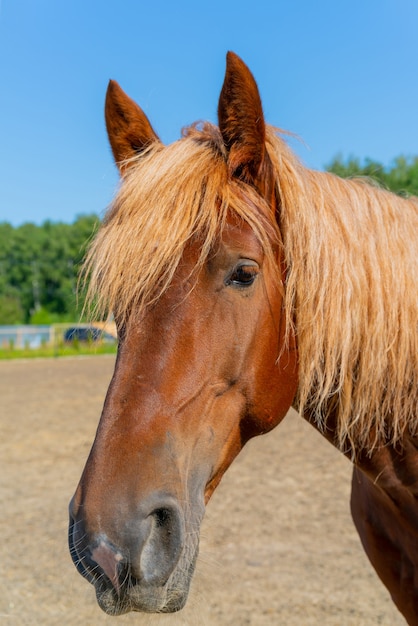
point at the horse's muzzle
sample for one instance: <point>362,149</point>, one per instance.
<point>145,569</point>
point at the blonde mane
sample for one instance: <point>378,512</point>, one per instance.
<point>352,255</point>
<point>352,267</point>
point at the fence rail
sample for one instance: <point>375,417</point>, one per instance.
<point>32,337</point>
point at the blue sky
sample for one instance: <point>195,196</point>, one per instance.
<point>342,75</point>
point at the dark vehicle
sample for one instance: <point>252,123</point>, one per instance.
<point>86,334</point>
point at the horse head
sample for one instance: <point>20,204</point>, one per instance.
<point>206,357</point>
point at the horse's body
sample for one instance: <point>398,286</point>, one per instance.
<point>243,283</point>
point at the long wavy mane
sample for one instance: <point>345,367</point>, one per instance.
<point>351,255</point>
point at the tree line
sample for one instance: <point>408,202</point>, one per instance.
<point>39,269</point>
<point>401,177</point>
<point>40,265</point>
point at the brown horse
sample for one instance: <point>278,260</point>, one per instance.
<point>242,283</point>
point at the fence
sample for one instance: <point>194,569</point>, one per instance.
<point>32,337</point>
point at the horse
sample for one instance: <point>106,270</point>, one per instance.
<point>243,283</point>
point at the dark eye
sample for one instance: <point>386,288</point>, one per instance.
<point>243,275</point>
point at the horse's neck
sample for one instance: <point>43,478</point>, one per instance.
<point>393,469</point>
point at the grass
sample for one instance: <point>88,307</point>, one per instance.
<point>62,350</point>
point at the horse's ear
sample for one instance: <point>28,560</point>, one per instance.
<point>128,128</point>
<point>241,120</point>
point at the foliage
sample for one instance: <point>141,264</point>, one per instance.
<point>39,268</point>
<point>10,309</point>
<point>44,316</point>
<point>401,177</point>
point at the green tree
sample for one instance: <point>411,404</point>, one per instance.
<point>39,267</point>
<point>401,176</point>
<point>10,310</point>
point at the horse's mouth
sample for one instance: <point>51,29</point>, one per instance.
<point>132,594</point>
<point>140,599</point>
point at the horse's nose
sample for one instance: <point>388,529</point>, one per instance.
<point>145,549</point>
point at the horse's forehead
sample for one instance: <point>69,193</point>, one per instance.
<point>238,234</point>
<point>236,239</point>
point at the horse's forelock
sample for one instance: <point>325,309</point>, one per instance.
<point>167,197</point>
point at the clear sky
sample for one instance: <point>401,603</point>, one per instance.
<point>342,75</point>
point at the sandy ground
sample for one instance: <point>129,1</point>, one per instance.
<point>278,546</point>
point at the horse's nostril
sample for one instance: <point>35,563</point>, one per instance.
<point>163,545</point>
<point>162,517</point>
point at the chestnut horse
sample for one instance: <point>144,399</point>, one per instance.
<point>243,283</point>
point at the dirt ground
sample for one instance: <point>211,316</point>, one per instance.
<point>278,546</point>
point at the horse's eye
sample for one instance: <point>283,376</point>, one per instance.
<point>243,275</point>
